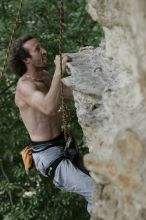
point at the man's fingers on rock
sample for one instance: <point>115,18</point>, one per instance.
<point>56,58</point>
<point>69,59</point>
<point>66,58</point>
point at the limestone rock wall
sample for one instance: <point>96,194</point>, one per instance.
<point>109,84</point>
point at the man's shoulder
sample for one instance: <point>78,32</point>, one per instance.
<point>24,84</point>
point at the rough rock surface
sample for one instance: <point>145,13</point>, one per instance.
<point>109,85</point>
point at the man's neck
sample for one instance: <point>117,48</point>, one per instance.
<point>35,72</point>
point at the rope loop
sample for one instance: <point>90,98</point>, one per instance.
<point>12,37</point>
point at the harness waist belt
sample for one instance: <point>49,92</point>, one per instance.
<point>37,147</point>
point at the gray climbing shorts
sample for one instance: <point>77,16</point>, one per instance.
<point>67,176</point>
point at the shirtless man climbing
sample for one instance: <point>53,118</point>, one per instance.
<point>37,97</point>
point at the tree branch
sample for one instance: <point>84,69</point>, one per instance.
<point>7,88</point>
<point>6,177</point>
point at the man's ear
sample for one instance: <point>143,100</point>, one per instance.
<point>26,60</point>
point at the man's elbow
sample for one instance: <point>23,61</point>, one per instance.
<point>49,111</point>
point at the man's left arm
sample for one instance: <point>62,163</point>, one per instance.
<point>67,91</point>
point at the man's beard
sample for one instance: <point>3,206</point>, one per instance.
<point>39,68</point>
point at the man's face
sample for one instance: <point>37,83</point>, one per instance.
<point>38,54</point>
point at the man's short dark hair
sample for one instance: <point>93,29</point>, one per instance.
<point>18,54</point>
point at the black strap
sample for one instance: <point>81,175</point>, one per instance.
<point>50,171</point>
<point>79,164</point>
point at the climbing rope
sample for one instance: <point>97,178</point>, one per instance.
<point>65,111</point>
<point>12,37</point>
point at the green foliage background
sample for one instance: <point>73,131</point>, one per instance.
<point>22,196</point>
